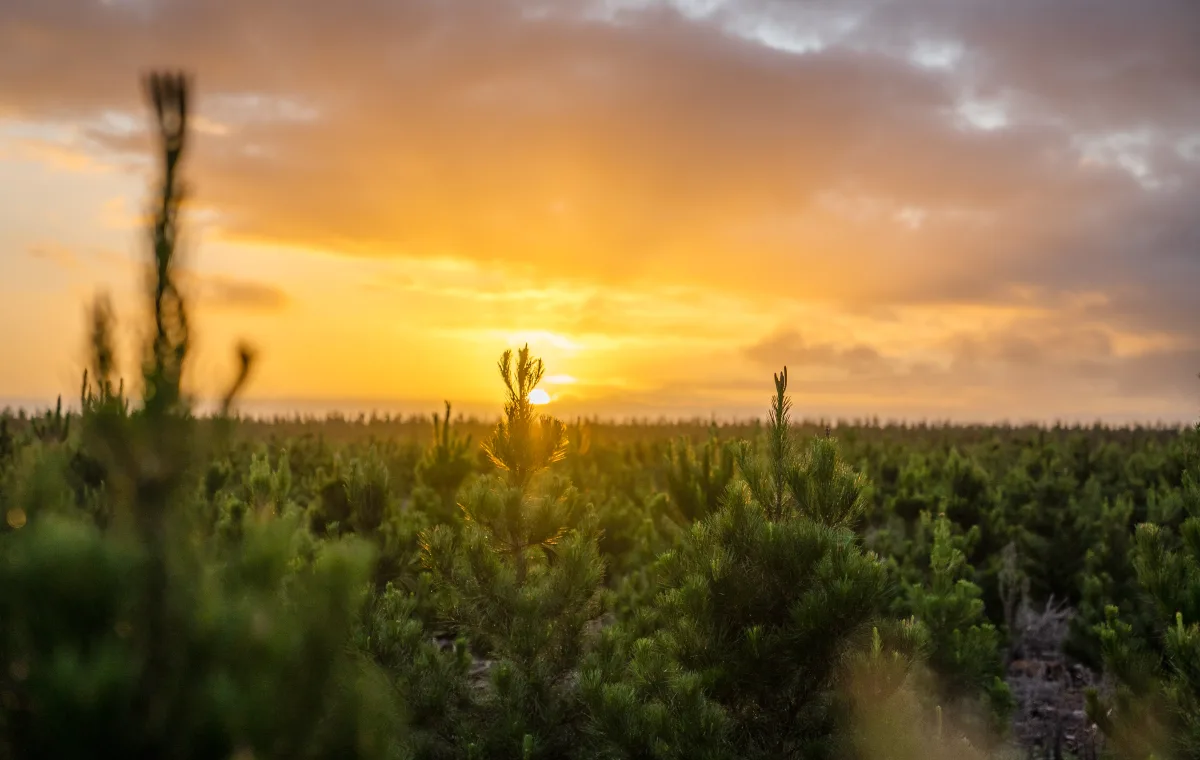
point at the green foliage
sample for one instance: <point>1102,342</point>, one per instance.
<point>431,681</point>
<point>643,703</point>
<point>368,493</point>
<point>819,486</point>
<point>966,652</point>
<point>52,426</point>
<point>445,464</point>
<point>244,666</point>
<point>8,441</point>
<point>138,640</point>
<point>524,443</point>
<point>7,447</point>
<point>763,607</point>
<point>521,581</point>
<point>1155,710</point>
<point>697,478</point>
<point>267,488</point>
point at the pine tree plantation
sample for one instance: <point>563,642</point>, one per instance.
<point>1154,706</point>
<point>178,585</point>
<point>762,605</point>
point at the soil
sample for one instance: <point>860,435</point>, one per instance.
<point>1050,720</point>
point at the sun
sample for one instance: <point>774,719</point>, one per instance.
<point>537,397</point>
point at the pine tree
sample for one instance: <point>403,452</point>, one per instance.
<point>697,478</point>
<point>267,488</point>
<point>965,652</point>
<point>374,514</point>
<point>762,608</point>
<point>522,581</point>
<point>52,426</point>
<point>1108,575</point>
<point>1155,708</point>
<point>138,640</point>
<point>431,680</point>
<point>444,466</point>
<point>8,440</point>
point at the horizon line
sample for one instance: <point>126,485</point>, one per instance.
<point>357,410</point>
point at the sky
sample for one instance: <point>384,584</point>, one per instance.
<point>960,210</point>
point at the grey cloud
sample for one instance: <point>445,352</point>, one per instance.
<point>1033,364</point>
<point>789,348</point>
<point>1105,64</point>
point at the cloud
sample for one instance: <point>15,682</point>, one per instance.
<point>1100,63</point>
<point>1032,367</point>
<point>230,293</point>
<point>788,347</point>
<point>624,148</point>
<point>875,158</point>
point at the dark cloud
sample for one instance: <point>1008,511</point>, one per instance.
<point>1102,64</point>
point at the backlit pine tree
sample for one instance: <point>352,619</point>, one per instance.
<point>444,465</point>
<point>521,582</point>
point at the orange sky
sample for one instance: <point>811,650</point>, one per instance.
<point>973,211</point>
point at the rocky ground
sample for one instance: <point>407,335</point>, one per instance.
<point>1051,692</point>
<point>1050,721</point>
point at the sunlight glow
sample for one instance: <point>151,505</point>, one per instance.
<point>542,339</point>
<point>538,397</point>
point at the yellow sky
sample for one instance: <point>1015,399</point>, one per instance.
<point>918,212</point>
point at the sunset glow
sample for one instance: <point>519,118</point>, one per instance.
<point>921,211</point>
